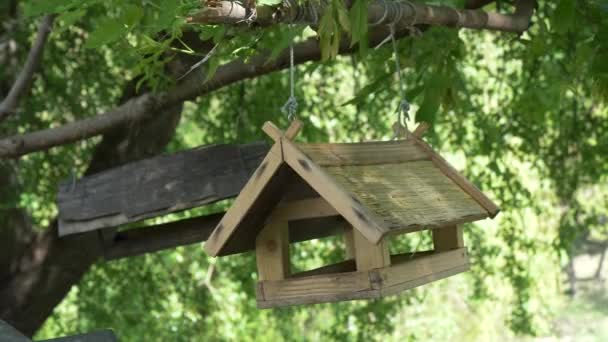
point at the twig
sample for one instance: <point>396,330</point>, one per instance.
<point>24,80</point>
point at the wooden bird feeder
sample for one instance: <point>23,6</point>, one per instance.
<point>380,189</point>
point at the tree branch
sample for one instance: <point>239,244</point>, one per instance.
<point>191,87</point>
<point>380,12</point>
<point>134,110</point>
<point>24,80</point>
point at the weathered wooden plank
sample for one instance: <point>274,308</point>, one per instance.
<point>419,267</point>
<point>425,279</point>
<point>339,282</point>
<point>344,202</point>
<point>368,153</point>
<point>260,195</point>
<point>330,287</point>
<point>156,186</point>
<point>408,196</point>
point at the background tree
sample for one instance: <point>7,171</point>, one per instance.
<point>527,111</point>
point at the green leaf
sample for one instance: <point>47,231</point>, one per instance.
<point>427,112</point>
<point>326,30</point>
<point>218,35</point>
<point>36,8</point>
<point>342,14</point>
<point>359,27</point>
<point>68,19</point>
<point>132,15</point>
<point>212,65</point>
<point>108,30</point>
<point>335,44</point>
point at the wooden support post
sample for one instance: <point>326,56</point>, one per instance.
<point>447,238</point>
<point>369,255</point>
<point>272,251</point>
<point>349,241</point>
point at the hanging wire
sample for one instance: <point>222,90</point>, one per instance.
<point>397,7</point>
<point>291,106</point>
<point>403,109</point>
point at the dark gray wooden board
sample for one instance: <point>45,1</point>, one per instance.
<point>152,239</point>
<point>10,334</point>
<point>156,186</point>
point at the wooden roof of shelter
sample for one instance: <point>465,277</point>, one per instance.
<point>380,188</point>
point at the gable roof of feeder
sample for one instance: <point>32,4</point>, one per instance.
<point>380,188</point>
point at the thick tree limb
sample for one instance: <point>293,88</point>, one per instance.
<point>145,106</point>
<point>193,86</point>
<point>380,12</point>
<point>135,109</point>
<point>24,80</point>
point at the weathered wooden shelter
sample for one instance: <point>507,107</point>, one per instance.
<point>380,189</point>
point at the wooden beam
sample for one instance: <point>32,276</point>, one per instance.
<point>369,256</point>
<point>448,238</point>
<point>272,131</point>
<point>138,241</point>
<point>156,186</point>
<point>346,204</point>
<point>150,239</point>
<point>349,242</point>
<point>275,133</point>
<point>294,128</point>
<point>421,129</point>
<point>272,251</point>
<point>305,290</point>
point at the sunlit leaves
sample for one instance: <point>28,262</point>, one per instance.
<point>108,30</point>
<point>332,24</point>
<point>359,25</point>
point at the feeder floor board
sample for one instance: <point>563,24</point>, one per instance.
<point>405,272</point>
<point>408,196</point>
